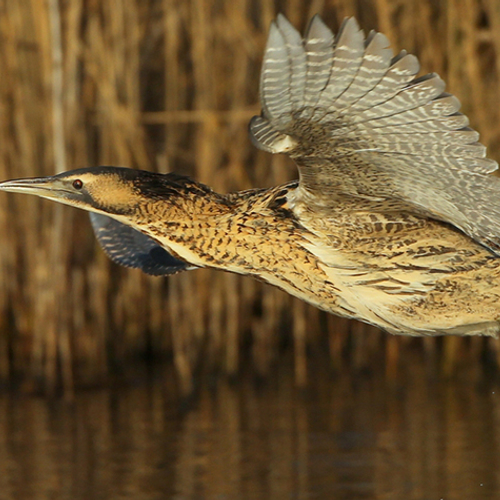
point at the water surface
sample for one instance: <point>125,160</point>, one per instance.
<point>414,435</point>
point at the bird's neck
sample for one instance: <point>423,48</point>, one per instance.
<point>185,225</point>
<point>251,232</point>
<point>227,232</point>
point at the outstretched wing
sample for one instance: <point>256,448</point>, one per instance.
<point>130,248</point>
<point>358,122</point>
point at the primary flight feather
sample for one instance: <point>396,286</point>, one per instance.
<point>359,123</point>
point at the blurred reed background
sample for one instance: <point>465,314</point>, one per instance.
<point>169,85</point>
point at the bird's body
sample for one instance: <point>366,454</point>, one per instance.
<point>364,259</point>
<point>394,220</point>
<point>401,272</point>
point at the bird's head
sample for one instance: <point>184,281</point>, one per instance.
<point>113,191</point>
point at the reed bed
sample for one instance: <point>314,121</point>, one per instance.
<point>169,85</point>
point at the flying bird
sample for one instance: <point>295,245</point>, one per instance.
<point>394,221</point>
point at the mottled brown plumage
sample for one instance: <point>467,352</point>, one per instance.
<point>394,221</point>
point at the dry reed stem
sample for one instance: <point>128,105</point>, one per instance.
<point>169,85</point>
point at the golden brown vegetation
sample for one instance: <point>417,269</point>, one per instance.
<point>169,85</point>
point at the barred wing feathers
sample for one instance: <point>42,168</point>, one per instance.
<point>358,122</point>
<point>130,248</point>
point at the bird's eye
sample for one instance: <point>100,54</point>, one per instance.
<point>77,184</point>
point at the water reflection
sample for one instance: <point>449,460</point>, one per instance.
<point>347,437</point>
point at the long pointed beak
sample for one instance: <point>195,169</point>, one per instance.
<point>45,187</point>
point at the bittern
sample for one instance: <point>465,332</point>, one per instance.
<point>394,220</point>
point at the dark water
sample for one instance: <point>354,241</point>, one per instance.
<point>413,435</point>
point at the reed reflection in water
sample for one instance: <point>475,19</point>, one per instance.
<point>350,436</point>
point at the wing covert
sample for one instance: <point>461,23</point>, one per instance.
<point>359,122</point>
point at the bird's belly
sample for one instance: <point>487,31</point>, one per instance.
<point>404,309</point>
<point>425,287</point>
<point>412,298</point>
